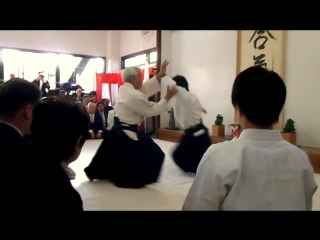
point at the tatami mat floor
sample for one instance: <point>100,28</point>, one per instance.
<point>168,194</point>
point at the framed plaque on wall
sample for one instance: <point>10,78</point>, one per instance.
<point>265,48</point>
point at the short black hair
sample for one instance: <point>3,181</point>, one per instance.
<point>99,103</point>
<point>260,94</point>
<point>181,81</point>
<point>86,96</point>
<point>57,125</point>
<point>16,94</point>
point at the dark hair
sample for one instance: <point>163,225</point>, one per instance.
<point>181,81</point>
<point>16,94</point>
<point>260,94</point>
<point>57,125</point>
<point>86,96</point>
<point>99,103</point>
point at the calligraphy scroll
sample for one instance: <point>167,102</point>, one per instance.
<point>264,48</point>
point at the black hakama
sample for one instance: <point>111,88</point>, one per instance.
<point>190,150</point>
<point>126,162</point>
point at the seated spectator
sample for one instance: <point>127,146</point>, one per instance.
<point>96,123</point>
<point>101,113</point>
<point>259,171</point>
<point>17,100</point>
<point>93,99</point>
<point>60,127</point>
<point>85,100</point>
<point>107,108</point>
<point>79,95</point>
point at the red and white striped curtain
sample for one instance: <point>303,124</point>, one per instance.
<point>108,85</point>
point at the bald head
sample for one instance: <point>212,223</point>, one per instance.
<point>91,107</point>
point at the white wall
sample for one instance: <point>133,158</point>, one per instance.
<point>302,77</point>
<point>208,61</point>
<point>133,41</point>
<point>122,43</point>
<point>80,42</point>
<point>113,51</point>
<point>166,54</point>
<point>110,44</point>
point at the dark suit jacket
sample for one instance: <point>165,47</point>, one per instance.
<point>97,124</point>
<point>17,169</point>
<point>107,109</point>
<point>105,116</point>
<point>14,148</point>
<point>51,187</point>
<point>76,97</point>
<point>55,191</point>
<point>43,88</point>
<point>31,182</point>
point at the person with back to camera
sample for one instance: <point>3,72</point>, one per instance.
<point>60,126</point>
<point>259,170</point>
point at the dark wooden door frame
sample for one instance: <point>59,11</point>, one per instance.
<point>158,95</point>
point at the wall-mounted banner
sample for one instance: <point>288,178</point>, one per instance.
<point>262,47</point>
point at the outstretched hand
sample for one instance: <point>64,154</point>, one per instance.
<point>163,70</point>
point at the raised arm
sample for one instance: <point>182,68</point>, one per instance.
<point>153,85</point>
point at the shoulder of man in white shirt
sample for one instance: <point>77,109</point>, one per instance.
<point>218,153</point>
<point>215,149</point>
<point>129,92</point>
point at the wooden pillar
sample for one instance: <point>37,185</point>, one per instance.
<point>158,95</point>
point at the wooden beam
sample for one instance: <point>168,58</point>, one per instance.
<point>158,95</point>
